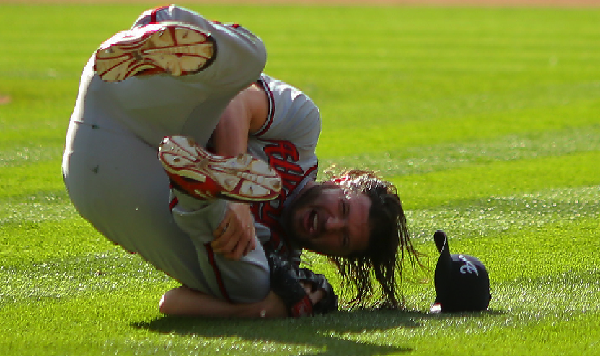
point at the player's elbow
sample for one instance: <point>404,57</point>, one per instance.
<point>167,303</point>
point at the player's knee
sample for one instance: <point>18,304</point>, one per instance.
<point>253,288</point>
<point>170,301</point>
<point>163,304</point>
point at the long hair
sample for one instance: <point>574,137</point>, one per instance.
<point>389,242</point>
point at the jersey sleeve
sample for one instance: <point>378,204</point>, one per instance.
<point>292,116</point>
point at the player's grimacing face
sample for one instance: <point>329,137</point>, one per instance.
<point>328,220</point>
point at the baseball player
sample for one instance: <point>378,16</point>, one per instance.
<point>176,86</point>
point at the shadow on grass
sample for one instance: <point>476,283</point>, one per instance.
<point>325,333</point>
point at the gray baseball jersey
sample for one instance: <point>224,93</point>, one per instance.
<point>116,182</point>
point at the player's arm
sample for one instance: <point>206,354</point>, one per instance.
<point>246,113</point>
<point>187,302</point>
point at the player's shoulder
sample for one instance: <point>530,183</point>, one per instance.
<point>292,114</point>
<point>286,96</point>
<point>274,85</point>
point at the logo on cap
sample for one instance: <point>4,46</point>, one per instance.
<point>469,267</point>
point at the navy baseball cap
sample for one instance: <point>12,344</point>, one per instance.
<point>462,283</point>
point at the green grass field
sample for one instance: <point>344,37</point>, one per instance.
<point>487,120</point>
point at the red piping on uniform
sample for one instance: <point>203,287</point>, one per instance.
<point>173,203</point>
<point>310,170</point>
<point>211,259</point>
<point>271,113</point>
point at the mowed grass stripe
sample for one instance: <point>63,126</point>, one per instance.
<point>74,277</point>
<point>567,293</point>
<point>504,334</point>
<point>523,254</point>
<point>22,155</point>
<point>472,96</point>
<point>451,187</point>
<point>31,179</point>
<point>30,243</point>
<point>387,135</point>
<point>437,156</point>
<point>42,207</point>
<point>481,217</point>
<point>73,321</point>
<point>140,330</point>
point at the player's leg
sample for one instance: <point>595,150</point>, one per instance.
<point>244,280</point>
<point>179,42</point>
<point>168,47</point>
<point>116,182</point>
<point>239,52</point>
<point>153,106</point>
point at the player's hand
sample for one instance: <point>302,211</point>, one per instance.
<point>235,235</point>
<point>314,296</point>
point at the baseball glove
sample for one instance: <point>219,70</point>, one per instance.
<point>286,283</point>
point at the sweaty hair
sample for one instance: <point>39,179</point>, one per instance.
<point>389,242</point>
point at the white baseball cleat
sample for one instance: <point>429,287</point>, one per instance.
<point>166,47</point>
<point>204,175</point>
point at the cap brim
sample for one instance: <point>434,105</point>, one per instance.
<point>441,241</point>
<point>443,268</point>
